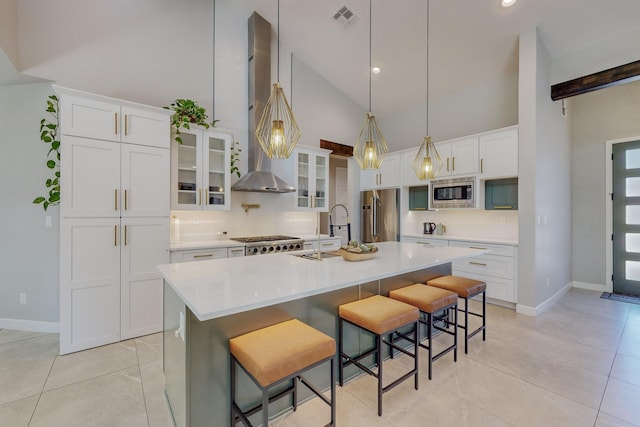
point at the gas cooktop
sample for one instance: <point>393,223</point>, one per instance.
<point>259,239</point>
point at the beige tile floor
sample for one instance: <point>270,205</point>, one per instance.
<point>578,364</point>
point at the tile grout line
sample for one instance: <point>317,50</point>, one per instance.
<point>35,407</point>
<point>144,395</point>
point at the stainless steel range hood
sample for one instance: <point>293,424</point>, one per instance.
<point>259,177</point>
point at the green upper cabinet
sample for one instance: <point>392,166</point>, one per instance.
<point>501,194</point>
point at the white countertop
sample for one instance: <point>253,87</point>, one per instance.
<point>510,242</point>
<point>217,288</point>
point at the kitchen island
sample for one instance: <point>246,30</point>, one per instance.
<point>208,302</point>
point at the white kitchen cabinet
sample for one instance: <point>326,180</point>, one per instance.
<point>499,154</point>
<point>201,169</point>
<point>497,268</point>
<point>89,283</point>
<point>387,176</point>
<point>92,116</point>
<point>460,156</point>
<point>108,179</point>
<point>325,245</point>
<point>308,170</point>
<point>425,241</point>
<point>114,212</point>
<point>409,177</point>
<point>143,245</point>
<point>202,254</point>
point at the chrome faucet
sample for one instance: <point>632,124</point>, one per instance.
<point>348,224</point>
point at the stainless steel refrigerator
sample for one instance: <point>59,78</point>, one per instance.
<point>379,216</point>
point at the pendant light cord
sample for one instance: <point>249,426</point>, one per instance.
<point>370,25</point>
<point>427,67</point>
<point>213,74</point>
<point>278,38</point>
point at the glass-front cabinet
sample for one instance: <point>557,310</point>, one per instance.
<point>200,169</point>
<point>312,178</point>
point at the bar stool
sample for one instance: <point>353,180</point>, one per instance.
<point>379,316</point>
<point>277,354</point>
<point>466,289</point>
<point>432,300</point>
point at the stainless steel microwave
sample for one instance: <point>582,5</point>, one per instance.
<point>453,193</point>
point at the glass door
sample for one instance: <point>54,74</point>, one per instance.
<point>303,196</point>
<point>216,186</point>
<point>626,218</point>
<point>320,181</point>
<point>188,171</point>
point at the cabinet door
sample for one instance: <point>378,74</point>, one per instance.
<point>235,252</point>
<point>369,179</point>
<point>303,180</point>
<point>390,171</point>
<point>144,244</point>
<point>409,177</point>
<point>89,283</point>
<point>89,178</point>
<point>320,180</point>
<point>444,150</point>
<point>216,171</point>
<point>145,180</point>
<point>89,118</point>
<point>464,156</point>
<point>499,154</point>
<point>145,127</point>
<point>186,171</point>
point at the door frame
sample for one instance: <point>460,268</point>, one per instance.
<point>609,207</point>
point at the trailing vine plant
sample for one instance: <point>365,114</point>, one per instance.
<point>188,112</point>
<point>235,157</point>
<point>49,135</point>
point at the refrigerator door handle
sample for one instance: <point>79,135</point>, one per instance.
<point>374,211</point>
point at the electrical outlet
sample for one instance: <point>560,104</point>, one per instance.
<point>23,298</point>
<point>47,221</point>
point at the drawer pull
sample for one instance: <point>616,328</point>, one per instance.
<point>478,263</point>
<point>237,251</point>
<point>327,244</point>
<point>503,207</point>
<point>477,247</point>
<point>203,256</point>
<point>424,243</point>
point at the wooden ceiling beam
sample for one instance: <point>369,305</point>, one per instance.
<point>338,149</point>
<point>611,77</point>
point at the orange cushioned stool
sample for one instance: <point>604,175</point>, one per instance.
<point>430,301</point>
<point>380,316</point>
<point>466,289</point>
<point>276,354</point>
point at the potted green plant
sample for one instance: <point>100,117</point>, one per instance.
<point>49,135</point>
<point>188,112</point>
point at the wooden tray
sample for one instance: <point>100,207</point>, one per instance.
<point>357,256</point>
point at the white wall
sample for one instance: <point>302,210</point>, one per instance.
<point>471,110</point>
<point>28,251</point>
<point>465,223</point>
<point>544,182</point>
<point>596,117</point>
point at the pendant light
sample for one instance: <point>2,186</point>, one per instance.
<point>371,146</point>
<point>427,163</point>
<point>277,130</point>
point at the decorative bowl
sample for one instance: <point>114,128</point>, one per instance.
<point>357,256</point>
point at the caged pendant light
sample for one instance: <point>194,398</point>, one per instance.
<point>277,130</point>
<point>427,163</point>
<point>371,146</point>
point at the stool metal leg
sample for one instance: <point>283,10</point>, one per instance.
<point>233,391</point>
<point>484,315</point>
<point>379,362</point>
<point>466,325</point>
<point>333,394</point>
<point>429,340</point>
<point>455,334</point>
<point>340,352</point>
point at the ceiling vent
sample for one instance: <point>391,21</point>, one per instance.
<point>344,16</point>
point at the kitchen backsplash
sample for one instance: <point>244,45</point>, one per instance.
<point>269,218</point>
<point>466,223</point>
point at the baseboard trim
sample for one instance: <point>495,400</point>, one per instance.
<point>590,286</point>
<point>544,306</point>
<point>30,325</point>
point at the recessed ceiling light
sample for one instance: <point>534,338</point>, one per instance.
<point>375,70</point>
<point>508,3</point>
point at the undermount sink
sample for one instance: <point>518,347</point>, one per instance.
<point>314,256</point>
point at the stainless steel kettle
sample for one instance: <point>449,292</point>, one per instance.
<point>429,227</point>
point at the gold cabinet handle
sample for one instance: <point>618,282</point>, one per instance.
<point>447,164</point>
<point>453,164</point>
<point>503,207</point>
<point>477,247</point>
<point>424,243</point>
<point>125,235</point>
<point>126,124</point>
<point>206,197</point>
<point>115,235</point>
<point>115,122</point>
<point>327,244</point>
<point>481,165</point>
<point>115,199</point>
<point>478,263</point>
<point>125,199</point>
<point>237,251</point>
<point>199,197</point>
<point>203,256</point>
